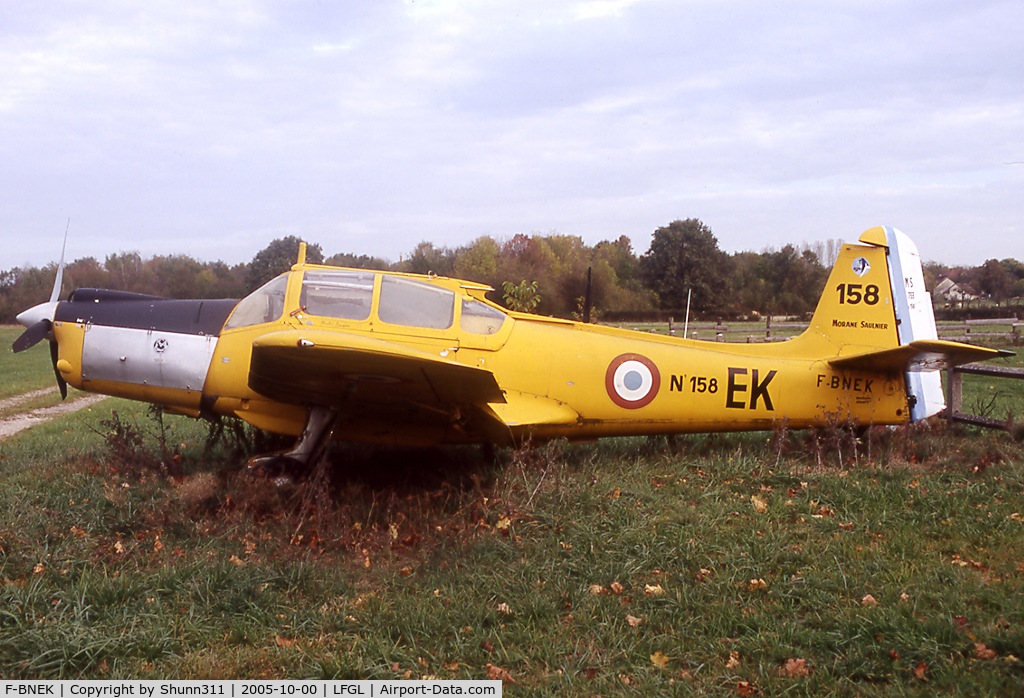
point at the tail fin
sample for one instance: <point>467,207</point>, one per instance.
<point>875,301</point>
<point>857,310</point>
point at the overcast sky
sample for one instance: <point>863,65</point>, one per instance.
<point>211,128</point>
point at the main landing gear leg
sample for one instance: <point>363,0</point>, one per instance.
<point>310,447</point>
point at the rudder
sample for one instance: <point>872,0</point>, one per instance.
<point>916,319</point>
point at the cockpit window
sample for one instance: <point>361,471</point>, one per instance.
<point>480,318</point>
<point>265,304</point>
<point>416,304</point>
<point>346,295</point>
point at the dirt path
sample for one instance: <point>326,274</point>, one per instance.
<point>15,400</point>
<point>9,426</point>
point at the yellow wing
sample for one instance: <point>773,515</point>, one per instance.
<point>370,378</point>
<point>334,368</point>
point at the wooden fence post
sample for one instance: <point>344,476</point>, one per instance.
<point>955,391</point>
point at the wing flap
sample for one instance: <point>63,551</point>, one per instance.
<point>523,409</point>
<point>498,420</point>
<point>921,355</point>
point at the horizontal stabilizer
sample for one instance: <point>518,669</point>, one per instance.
<point>921,355</point>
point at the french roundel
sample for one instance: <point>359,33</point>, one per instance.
<point>632,381</point>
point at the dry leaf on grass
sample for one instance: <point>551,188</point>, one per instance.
<point>659,660</point>
<point>796,667</point>
<point>983,652</point>
<point>745,688</point>
<point>496,673</point>
<point>760,505</point>
<point>633,621</point>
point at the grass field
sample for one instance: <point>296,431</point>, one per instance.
<point>23,372</point>
<point>759,564</point>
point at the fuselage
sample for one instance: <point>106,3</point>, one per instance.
<point>557,377</point>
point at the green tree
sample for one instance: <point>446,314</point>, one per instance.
<point>683,258</point>
<point>616,279</point>
<point>1015,270</point>
<point>994,281</point>
<point>522,298</point>
<point>429,259</point>
<point>352,261</point>
<point>218,280</point>
<point>277,258</point>
<point>478,261</point>
<point>619,256</point>
<point>750,288</point>
<point>794,281</point>
<point>174,276</point>
<point>126,272</point>
<point>87,272</point>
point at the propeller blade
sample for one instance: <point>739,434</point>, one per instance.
<point>39,322</point>
<point>55,293</point>
<point>32,336</point>
<point>61,383</point>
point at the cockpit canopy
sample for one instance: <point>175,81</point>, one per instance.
<point>356,295</point>
<point>265,304</point>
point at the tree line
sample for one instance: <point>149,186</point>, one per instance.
<point>547,273</point>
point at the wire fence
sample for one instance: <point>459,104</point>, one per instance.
<point>1008,330</point>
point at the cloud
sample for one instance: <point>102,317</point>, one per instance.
<point>368,127</point>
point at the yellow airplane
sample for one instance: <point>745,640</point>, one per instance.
<point>392,358</point>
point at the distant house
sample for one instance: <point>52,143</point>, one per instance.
<point>953,292</point>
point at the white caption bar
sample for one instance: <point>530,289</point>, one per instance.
<point>246,689</point>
